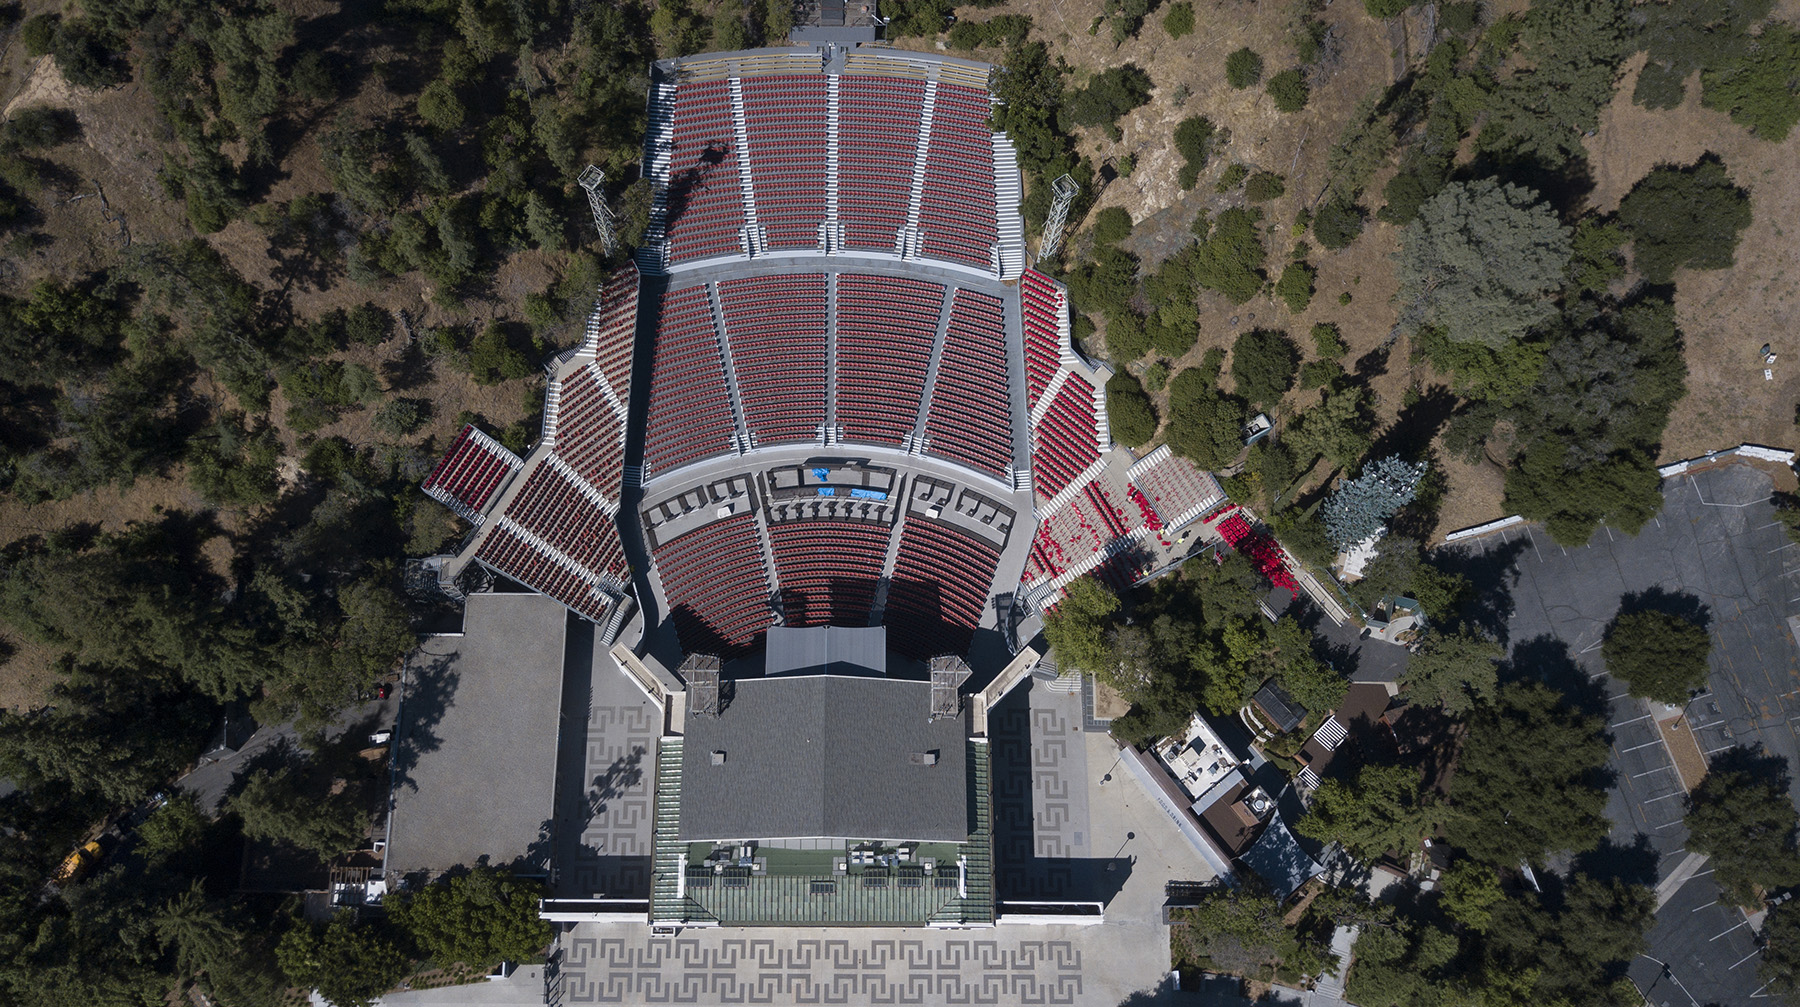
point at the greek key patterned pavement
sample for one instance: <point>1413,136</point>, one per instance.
<point>1040,793</point>
<point>714,968</point>
<point>604,815</point>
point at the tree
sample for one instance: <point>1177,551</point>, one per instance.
<point>1112,225</point>
<point>1337,223</point>
<point>1263,365</point>
<point>1179,21</point>
<point>1237,930</point>
<point>1780,964</point>
<point>1574,49</point>
<point>1455,671</point>
<point>1243,68</point>
<point>350,965</point>
<point>1741,817</point>
<point>1129,412</point>
<point>1483,260</point>
<point>492,358</point>
<point>1690,217</point>
<point>1384,9</point>
<point>1338,428</point>
<point>1758,87</point>
<point>1549,483</point>
<point>1193,140</point>
<point>278,805</point>
<point>1360,507</point>
<point>1295,287</point>
<point>1470,893</point>
<point>1682,36</point>
<point>400,417</point>
<point>1384,809</point>
<point>1076,628</point>
<point>1289,91</point>
<point>1526,781</point>
<point>1205,425</point>
<point>1230,259</point>
<point>1108,96</point>
<point>480,918</point>
<point>1264,186</point>
<point>440,108</point>
<point>1659,655</point>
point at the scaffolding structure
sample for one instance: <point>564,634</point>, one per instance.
<point>701,673</point>
<point>948,673</point>
<point>1065,191</point>
<point>594,181</point>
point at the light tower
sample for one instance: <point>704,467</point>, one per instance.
<point>1065,190</point>
<point>594,181</point>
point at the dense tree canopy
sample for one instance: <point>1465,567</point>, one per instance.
<point>1526,784</point>
<point>1453,671</point>
<point>1742,818</point>
<point>480,918</point>
<point>1482,260</point>
<point>1384,809</point>
<point>1659,655</point>
<point>1684,217</point>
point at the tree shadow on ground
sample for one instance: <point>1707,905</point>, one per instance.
<point>1680,604</point>
<point>1547,659</point>
<point>430,692</point>
<point>1635,864</point>
<point>1491,572</point>
<point>1411,433</point>
<point>1754,762</point>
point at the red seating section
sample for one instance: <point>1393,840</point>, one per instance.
<point>971,412</point>
<point>786,117</point>
<point>957,214</point>
<point>717,586</point>
<point>1069,537</point>
<point>885,329</point>
<point>1038,301</point>
<point>589,435</point>
<point>1063,441</point>
<point>557,511</point>
<point>776,325</point>
<point>690,408</point>
<point>471,470</point>
<point>612,330</point>
<point>878,140</point>
<point>516,558</point>
<point>939,589</point>
<point>828,570</point>
<point>1258,547</point>
<point>705,208</point>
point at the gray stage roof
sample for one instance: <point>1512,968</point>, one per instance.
<point>831,650</point>
<point>825,756</point>
<point>475,767</point>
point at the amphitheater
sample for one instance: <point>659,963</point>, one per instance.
<point>828,392</point>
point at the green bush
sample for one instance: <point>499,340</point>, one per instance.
<point>1243,68</point>
<point>1231,178</point>
<point>1319,374</point>
<point>1384,9</point>
<point>1295,287</point>
<point>1328,341</point>
<point>1289,91</point>
<point>1689,217</point>
<point>1126,339</point>
<point>1459,18</point>
<point>1205,425</point>
<point>400,417</point>
<point>38,34</point>
<point>1107,96</point>
<point>1112,225</point>
<point>440,108</point>
<point>1179,21</point>
<point>1007,29</point>
<point>1230,261</point>
<point>1263,365</point>
<point>1129,411</point>
<point>1193,140</point>
<point>368,325</point>
<point>1173,331</point>
<point>493,360</point>
<point>1337,224</point>
<point>1156,376</point>
<point>1263,186</point>
<point>1757,89</point>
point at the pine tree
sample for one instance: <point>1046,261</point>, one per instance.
<point>1361,506</point>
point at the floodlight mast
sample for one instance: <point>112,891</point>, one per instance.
<point>594,181</point>
<point>1065,191</point>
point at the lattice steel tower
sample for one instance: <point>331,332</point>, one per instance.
<point>1065,190</point>
<point>594,181</point>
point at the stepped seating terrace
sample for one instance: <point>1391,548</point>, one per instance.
<point>828,569</point>
<point>885,330</point>
<point>1063,445</point>
<point>786,117</point>
<point>776,328</point>
<point>471,472</point>
<point>690,407</point>
<point>971,412</point>
<point>717,584</point>
<point>704,209</point>
<point>939,589</point>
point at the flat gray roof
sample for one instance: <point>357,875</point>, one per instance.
<point>475,763</point>
<point>826,650</point>
<point>825,756</point>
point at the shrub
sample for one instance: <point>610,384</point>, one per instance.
<point>1459,18</point>
<point>1337,224</point>
<point>1172,332</point>
<point>1263,365</point>
<point>1289,91</point>
<point>1230,261</point>
<point>1657,655</point>
<point>492,359</point>
<point>1243,68</point>
<point>439,106</point>
<point>1193,139</point>
<point>1384,9</point>
<point>367,325</point>
<point>1205,425</point>
<point>1757,88</point>
<point>1129,411</point>
<point>1180,20</point>
<point>1319,374</point>
<point>1689,217</point>
<point>1156,376</point>
<point>1106,97</point>
<point>1232,178</point>
<point>1112,225</point>
<point>38,34</point>
<point>1263,186</point>
<point>1328,341</point>
<point>1126,339</point>
<point>400,417</point>
<point>1295,288</point>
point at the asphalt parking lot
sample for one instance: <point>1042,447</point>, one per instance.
<point>1717,544</point>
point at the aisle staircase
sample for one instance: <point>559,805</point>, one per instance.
<point>1008,194</point>
<point>668,904</point>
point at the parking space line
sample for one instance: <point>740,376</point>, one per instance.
<point>1664,797</point>
<point>1704,873</point>
<point>1715,751</point>
<point>1634,748</point>
<point>1698,908</point>
<point>1722,933</point>
<point>1744,959</point>
<point>1647,772</point>
<point>1667,825</point>
<point>1702,727</point>
<point>1633,720</point>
